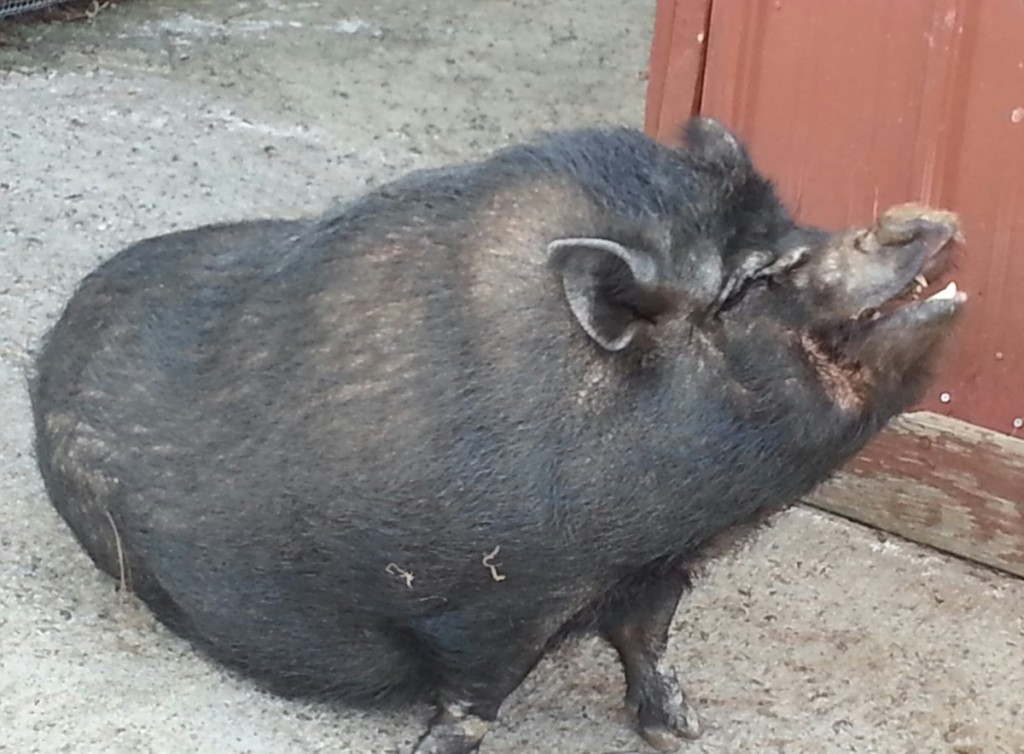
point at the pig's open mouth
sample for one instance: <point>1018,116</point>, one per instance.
<point>911,297</point>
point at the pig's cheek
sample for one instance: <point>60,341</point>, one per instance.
<point>845,384</point>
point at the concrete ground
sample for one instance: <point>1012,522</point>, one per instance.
<point>818,636</point>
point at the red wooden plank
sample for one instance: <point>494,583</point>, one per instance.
<point>676,71</point>
<point>657,68</point>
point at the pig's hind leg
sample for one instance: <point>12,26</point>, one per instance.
<point>635,620</point>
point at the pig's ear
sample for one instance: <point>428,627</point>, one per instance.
<point>611,289</point>
<point>715,143</point>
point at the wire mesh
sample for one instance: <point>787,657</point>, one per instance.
<point>14,7</point>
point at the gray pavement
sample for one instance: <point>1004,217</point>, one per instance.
<point>817,636</point>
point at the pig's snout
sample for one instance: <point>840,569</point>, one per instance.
<point>909,224</point>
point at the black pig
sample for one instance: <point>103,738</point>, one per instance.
<point>403,450</point>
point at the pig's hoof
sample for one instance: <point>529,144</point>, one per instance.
<point>684,727</point>
<point>448,739</point>
<point>664,717</point>
<point>454,731</point>
<point>670,739</point>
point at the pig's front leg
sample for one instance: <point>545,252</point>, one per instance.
<point>636,621</point>
<point>477,662</point>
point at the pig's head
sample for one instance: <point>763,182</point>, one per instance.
<point>850,300</point>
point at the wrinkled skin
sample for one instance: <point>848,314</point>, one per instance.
<point>403,450</point>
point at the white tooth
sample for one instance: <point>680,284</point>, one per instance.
<point>922,281</point>
<point>945,294</point>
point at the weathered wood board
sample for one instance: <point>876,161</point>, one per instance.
<point>942,482</point>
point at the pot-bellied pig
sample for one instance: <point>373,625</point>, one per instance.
<point>402,450</point>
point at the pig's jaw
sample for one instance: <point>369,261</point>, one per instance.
<point>888,354</point>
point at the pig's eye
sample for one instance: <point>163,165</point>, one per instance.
<point>868,315</point>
